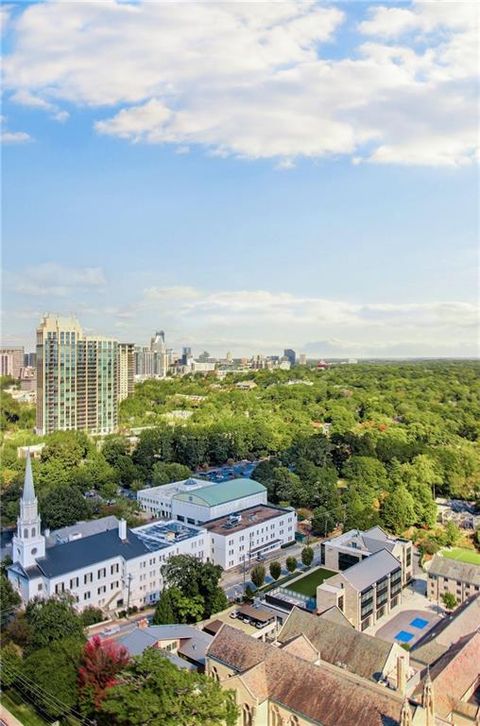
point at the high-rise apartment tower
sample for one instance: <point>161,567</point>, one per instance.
<point>77,379</point>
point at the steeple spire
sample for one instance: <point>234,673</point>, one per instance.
<point>406,714</point>
<point>427,699</point>
<point>28,488</point>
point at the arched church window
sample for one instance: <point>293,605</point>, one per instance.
<point>293,721</point>
<point>247,713</point>
<point>25,533</point>
<point>277,719</point>
<point>33,531</point>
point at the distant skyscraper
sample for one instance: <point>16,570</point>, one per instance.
<point>30,360</point>
<point>157,343</point>
<point>303,359</point>
<point>186,356</point>
<point>126,370</point>
<point>77,379</point>
<point>290,355</point>
<point>11,361</point>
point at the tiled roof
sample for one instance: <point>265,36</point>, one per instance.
<point>220,493</point>
<point>455,570</point>
<point>339,644</point>
<point>318,692</point>
<point>454,673</point>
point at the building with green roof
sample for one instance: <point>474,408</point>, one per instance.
<point>209,502</point>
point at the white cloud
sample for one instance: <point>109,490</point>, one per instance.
<point>52,280</point>
<point>255,80</point>
<point>25,98</point>
<point>12,137</point>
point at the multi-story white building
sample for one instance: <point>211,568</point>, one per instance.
<point>158,500</point>
<point>249,534</point>
<point>195,501</point>
<point>111,569</point>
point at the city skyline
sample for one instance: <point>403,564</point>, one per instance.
<point>299,176</point>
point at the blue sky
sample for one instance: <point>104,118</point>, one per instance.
<point>257,177</point>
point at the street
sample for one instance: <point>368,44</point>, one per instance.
<point>233,580</point>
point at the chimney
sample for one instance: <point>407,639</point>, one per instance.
<point>122,529</point>
<point>401,675</point>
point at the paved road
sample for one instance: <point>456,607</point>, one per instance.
<point>233,580</point>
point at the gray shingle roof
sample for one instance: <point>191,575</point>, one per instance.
<point>65,558</point>
<point>371,569</point>
<point>455,570</point>
<point>193,646</point>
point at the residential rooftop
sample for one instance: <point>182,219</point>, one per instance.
<point>222,493</point>
<point>193,642</point>
<point>249,517</point>
<point>368,542</point>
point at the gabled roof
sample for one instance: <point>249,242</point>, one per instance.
<point>320,693</point>
<point>339,644</point>
<point>455,570</point>
<point>371,569</point>
<point>221,493</point>
<point>62,559</point>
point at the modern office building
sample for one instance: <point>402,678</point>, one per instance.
<point>11,361</point>
<point>290,355</point>
<point>349,548</point>
<point>126,370</point>
<point>30,360</point>
<point>110,569</point>
<point>461,579</point>
<point>152,361</point>
<point>364,592</point>
<point>77,380</point>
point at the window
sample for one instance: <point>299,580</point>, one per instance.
<point>86,596</point>
<point>101,590</point>
<point>73,582</point>
<point>113,585</point>
<point>102,573</point>
<point>39,586</point>
<point>114,569</point>
<point>87,578</point>
<point>59,587</point>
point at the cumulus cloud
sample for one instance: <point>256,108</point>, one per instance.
<point>52,280</point>
<point>255,80</point>
<point>12,137</point>
<point>25,98</point>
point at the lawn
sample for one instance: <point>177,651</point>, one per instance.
<point>463,555</point>
<point>308,585</point>
<point>21,710</point>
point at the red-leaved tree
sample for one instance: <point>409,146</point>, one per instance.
<point>100,664</point>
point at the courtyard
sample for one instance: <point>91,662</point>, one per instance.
<point>408,626</point>
<point>307,585</point>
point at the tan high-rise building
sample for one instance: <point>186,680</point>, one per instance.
<point>126,370</point>
<point>77,381</point>
<point>11,361</point>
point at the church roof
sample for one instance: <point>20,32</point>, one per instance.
<point>64,558</point>
<point>318,692</point>
<point>339,644</point>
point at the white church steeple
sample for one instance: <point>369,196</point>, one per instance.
<point>28,542</point>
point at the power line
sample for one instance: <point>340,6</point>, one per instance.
<point>48,698</point>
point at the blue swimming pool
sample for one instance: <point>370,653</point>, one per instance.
<point>404,636</point>
<point>419,623</point>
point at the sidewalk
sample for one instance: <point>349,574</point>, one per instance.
<point>7,719</point>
